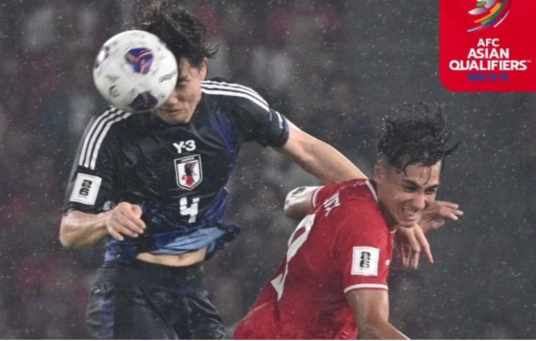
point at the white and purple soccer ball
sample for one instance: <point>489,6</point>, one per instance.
<point>135,71</point>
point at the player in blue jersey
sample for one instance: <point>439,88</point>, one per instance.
<point>153,186</point>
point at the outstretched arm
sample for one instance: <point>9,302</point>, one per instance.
<point>370,308</point>
<point>319,158</point>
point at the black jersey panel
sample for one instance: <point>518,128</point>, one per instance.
<point>177,173</point>
<point>92,181</point>
<point>252,113</point>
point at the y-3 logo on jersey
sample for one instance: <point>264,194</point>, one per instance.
<point>188,145</point>
<point>188,171</point>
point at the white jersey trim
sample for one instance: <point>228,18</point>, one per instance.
<point>213,88</point>
<point>103,135</point>
<point>236,94</point>
<point>92,130</point>
<point>315,194</point>
<point>279,119</point>
<point>96,134</point>
<point>366,286</point>
<point>235,87</point>
<point>372,190</point>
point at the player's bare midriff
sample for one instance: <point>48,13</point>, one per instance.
<point>185,259</point>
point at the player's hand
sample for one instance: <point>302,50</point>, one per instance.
<point>124,220</point>
<point>436,214</point>
<point>409,244</point>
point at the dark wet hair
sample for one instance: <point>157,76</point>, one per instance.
<point>183,33</point>
<point>417,134</point>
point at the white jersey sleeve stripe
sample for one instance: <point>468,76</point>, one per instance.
<point>235,87</point>
<point>237,94</point>
<point>228,88</point>
<point>101,137</point>
<point>366,286</point>
<point>95,132</point>
<point>90,133</point>
<point>279,119</point>
<point>314,204</point>
<point>372,190</point>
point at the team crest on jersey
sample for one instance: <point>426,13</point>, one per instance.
<point>189,172</point>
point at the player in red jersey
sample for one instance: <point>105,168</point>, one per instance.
<point>332,283</point>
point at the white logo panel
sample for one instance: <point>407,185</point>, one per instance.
<point>86,188</point>
<point>365,261</point>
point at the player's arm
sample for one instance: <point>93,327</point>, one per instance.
<point>257,121</point>
<point>79,229</point>
<point>319,158</point>
<point>370,308</point>
<point>91,185</point>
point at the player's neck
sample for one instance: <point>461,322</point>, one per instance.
<point>389,219</point>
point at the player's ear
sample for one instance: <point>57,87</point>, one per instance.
<point>203,69</point>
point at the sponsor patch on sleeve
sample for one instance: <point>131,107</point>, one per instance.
<point>86,188</point>
<point>365,261</point>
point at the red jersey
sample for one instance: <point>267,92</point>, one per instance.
<point>344,245</point>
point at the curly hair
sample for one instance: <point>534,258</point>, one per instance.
<point>417,135</point>
<point>183,33</point>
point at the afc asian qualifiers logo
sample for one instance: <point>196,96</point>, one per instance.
<point>188,172</point>
<point>486,45</point>
<point>489,13</point>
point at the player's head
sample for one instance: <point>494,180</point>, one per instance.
<point>411,151</point>
<point>183,33</point>
<point>185,36</point>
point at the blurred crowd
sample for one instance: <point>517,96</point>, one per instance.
<point>333,67</point>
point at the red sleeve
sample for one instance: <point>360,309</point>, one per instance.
<point>323,193</point>
<point>363,249</point>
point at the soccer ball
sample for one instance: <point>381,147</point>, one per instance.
<point>135,71</point>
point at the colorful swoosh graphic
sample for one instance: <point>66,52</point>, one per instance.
<point>490,13</point>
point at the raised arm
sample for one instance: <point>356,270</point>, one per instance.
<point>370,308</point>
<point>319,158</point>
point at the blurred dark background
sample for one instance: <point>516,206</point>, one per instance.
<point>334,68</point>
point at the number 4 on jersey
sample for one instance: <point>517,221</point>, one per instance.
<point>189,209</point>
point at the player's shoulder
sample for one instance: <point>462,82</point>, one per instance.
<point>101,131</point>
<point>111,115</point>
<point>109,120</point>
<point>352,192</point>
<point>358,203</point>
<point>357,190</point>
<point>234,94</point>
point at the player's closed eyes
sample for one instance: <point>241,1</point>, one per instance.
<point>409,189</point>
<point>181,82</point>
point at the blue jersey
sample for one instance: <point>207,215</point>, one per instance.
<point>176,173</point>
